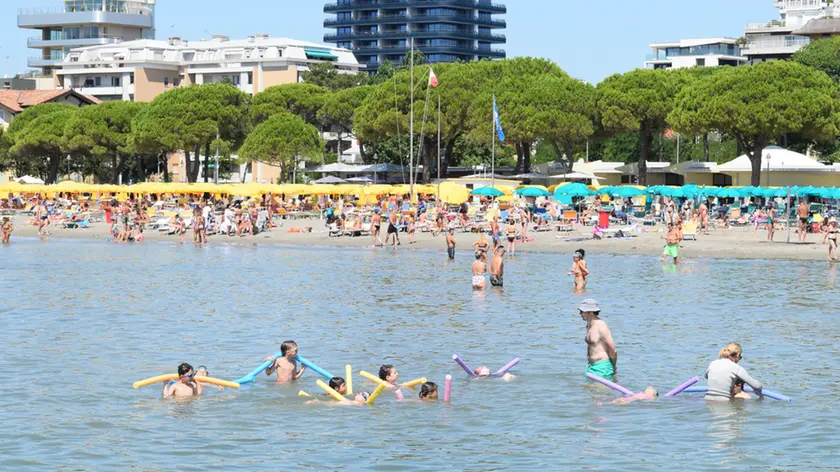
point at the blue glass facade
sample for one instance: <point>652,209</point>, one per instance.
<point>443,30</point>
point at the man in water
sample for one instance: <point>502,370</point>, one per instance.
<point>186,386</point>
<point>803,214</point>
<point>393,230</point>
<point>672,242</point>
<point>450,243</point>
<point>601,353</point>
<point>497,267</point>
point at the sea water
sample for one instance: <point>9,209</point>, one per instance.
<point>82,320</point>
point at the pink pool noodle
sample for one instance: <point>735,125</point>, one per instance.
<point>447,388</point>
<point>609,384</point>
<point>463,365</point>
<point>683,386</point>
<point>399,395</point>
<point>507,367</point>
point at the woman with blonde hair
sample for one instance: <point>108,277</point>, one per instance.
<point>724,374</point>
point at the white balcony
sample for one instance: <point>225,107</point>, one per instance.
<point>41,62</point>
<point>781,46</point>
<point>39,42</point>
<point>774,26</point>
<point>100,91</point>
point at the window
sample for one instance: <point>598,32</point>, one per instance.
<point>166,81</point>
<point>97,81</point>
<point>235,80</point>
<point>115,81</point>
<point>176,81</point>
<point>701,62</point>
<point>250,78</point>
<point>131,78</point>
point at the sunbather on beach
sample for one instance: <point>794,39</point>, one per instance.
<point>285,366</point>
<point>7,230</point>
<point>478,270</point>
<point>186,386</point>
<point>650,393</point>
<point>600,347</point>
<point>579,270</point>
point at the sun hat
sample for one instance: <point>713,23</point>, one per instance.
<point>589,305</point>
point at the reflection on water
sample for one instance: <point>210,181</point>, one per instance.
<point>83,320</point>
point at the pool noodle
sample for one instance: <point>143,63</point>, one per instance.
<point>250,378</point>
<point>375,394</point>
<point>156,379</point>
<point>314,367</point>
<point>415,382</point>
<point>373,378</point>
<point>464,366</point>
<point>215,381</point>
<point>609,384</point>
<point>399,395</point>
<point>337,396</point>
<point>348,377</point>
<point>683,386</point>
<point>747,388</point>
<point>507,367</point>
<point>303,394</point>
<point>447,388</point>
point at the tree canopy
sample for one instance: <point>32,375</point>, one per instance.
<point>281,140</point>
<point>822,55</point>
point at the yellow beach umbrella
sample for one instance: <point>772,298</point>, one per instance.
<point>452,192</point>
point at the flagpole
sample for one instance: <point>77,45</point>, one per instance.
<point>411,133</point>
<point>438,136</point>
<point>493,154</point>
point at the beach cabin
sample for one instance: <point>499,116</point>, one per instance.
<point>783,167</point>
<point>657,174</point>
<point>701,173</point>
<point>594,173</point>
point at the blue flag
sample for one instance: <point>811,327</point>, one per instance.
<point>497,122</point>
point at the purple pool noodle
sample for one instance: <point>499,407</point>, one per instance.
<point>463,365</point>
<point>696,390</point>
<point>507,367</point>
<point>609,384</point>
<point>683,386</point>
<point>747,388</point>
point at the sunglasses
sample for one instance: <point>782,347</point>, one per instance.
<point>365,395</point>
<point>190,376</point>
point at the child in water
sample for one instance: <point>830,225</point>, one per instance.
<point>340,385</point>
<point>428,391</point>
<point>650,393</point>
<point>202,371</point>
<point>389,374</point>
<point>285,365</point>
<point>484,372</point>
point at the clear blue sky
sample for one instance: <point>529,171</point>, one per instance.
<point>590,40</point>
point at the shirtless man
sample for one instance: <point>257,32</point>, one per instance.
<point>285,365</point>
<point>494,233</point>
<point>601,354</point>
<point>704,218</point>
<point>803,214</point>
<point>478,270</point>
<point>497,267</point>
<point>393,220</point>
<point>672,242</point>
<point>186,386</point>
<point>43,218</point>
<point>376,225</point>
<point>450,243</point>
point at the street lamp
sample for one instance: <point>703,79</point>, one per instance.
<point>768,169</point>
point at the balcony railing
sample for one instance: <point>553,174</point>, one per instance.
<point>37,61</point>
<point>772,44</point>
<point>770,25</point>
<point>361,4</point>
<point>495,38</point>
<point>36,41</point>
<point>414,19</point>
<point>110,8</point>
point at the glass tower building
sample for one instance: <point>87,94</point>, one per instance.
<point>444,30</point>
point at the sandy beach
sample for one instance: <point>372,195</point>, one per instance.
<point>733,243</point>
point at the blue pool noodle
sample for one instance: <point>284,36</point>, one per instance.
<point>747,388</point>
<point>253,375</point>
<point>314,367</point>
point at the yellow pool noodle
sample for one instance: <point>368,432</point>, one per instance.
<point>375,393</point>
<point>330,391</point>
<point>214,381</point>
<point>348,370</point>
<point>159,378</point>
<point>415,382</point>
<point>373,378</point>
<point>303,394</point>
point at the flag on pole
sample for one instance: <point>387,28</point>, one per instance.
<point>496,122</point>
<point>433,81</point>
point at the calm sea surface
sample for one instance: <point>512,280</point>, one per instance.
<point>82,320</point>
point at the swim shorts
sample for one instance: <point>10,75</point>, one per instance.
<point>477,280</point>
<point>603,369</point>
<point>451,252</point>
<point>671,250</point>
<point>392,229</point>
<point>495,281</point>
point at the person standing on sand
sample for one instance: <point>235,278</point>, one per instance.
<point>376,225</point>
<point>803,214</point>
<point>450,243</point>
<point>672,242</point>
<point>393,229</point>
<point>497,267</point>
<point>601,354</point>
<point>831,236</point>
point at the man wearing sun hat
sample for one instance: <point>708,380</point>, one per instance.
<point>601,354</point>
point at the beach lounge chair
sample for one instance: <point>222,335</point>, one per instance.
<point>334,230</point>
<point>690,230</point>
<point>570,216</point>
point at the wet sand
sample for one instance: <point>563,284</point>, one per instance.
<point>734,243</point>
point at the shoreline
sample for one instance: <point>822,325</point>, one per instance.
<point>735,243</point>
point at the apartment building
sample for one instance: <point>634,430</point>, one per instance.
<point>443,30</point>
<point>143,69</point>
<point>703,52</point>
<point>780,38</point>
<point>81,23</point>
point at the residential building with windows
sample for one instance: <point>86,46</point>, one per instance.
<point>705,52</point>
<point>443,30</point>
<point>13,102</point>
<point>84,23</point>
<point>143,69</point>
<point>780,38</point>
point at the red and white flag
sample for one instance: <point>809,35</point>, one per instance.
<point>433,82</point>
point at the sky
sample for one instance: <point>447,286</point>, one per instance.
<point>590,40</point>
